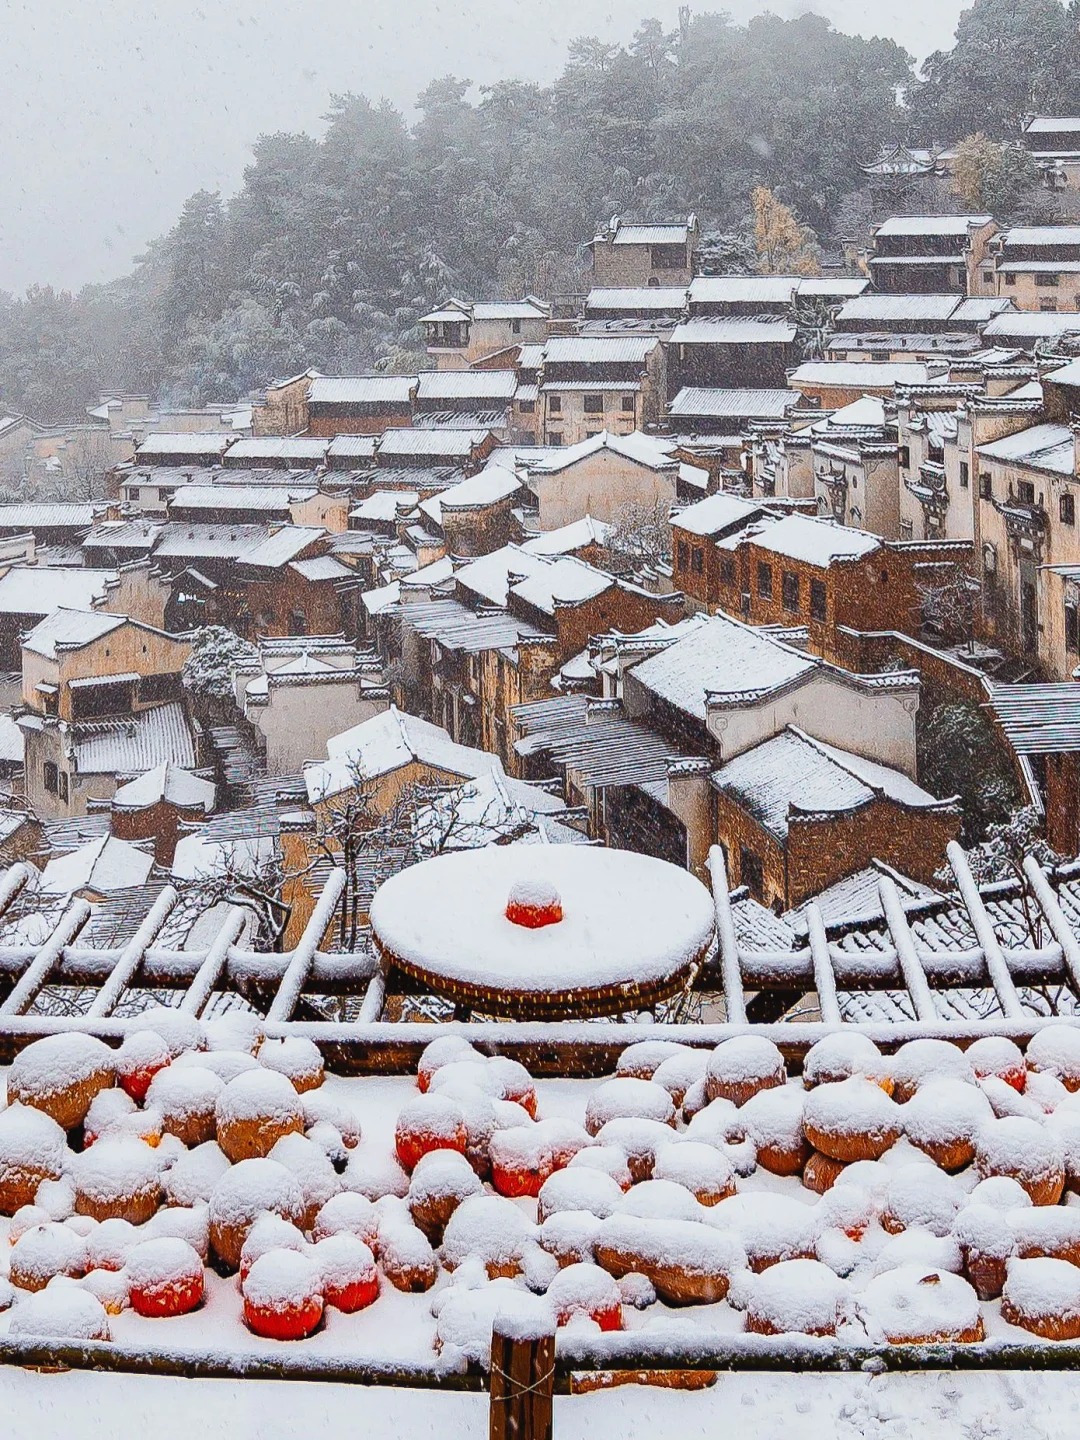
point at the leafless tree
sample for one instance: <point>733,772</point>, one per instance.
<point>641,537</point>
<point>949,604</point>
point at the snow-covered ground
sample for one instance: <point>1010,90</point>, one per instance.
<point>764,1407</point>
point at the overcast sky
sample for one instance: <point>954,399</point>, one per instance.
<point>112,114</point>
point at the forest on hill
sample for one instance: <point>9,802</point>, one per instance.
<point>333,247</point>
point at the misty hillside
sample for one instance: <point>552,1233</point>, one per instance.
<point>333,248</point>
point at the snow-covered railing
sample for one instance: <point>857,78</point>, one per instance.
<point>1027,969</point>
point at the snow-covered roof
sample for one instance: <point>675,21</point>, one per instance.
<point>527,309</point>
<point>817,542</point>
<point>12,741</point>
<point>136,743</point>
<point>102,865</point>
<point>1043,447</point>
<point>665,300</point>
<point>194,443</point>
<point>486,487</point>
<point>858,896</point>
<point>383,506</point>
<point>794,773</point>
<point>1050,124</point>
<point>734,330</point>
<point>431,442</point>
<point>257,498</point>
<point>694,402</point>
<point>599,350</point>
<point>70,629</point>
<point>362,390</point>
<point>722,657</point>
<point>304,448</point>
<point>352,447</point>
<point>642,449</point>
<point>567,538</point>
<point>666,233</point>
<point>385,743</point>
<point>166,782</point>
<point>715,513</point>
<point>868,412</point>
<point>932,224</point>
<point>46,516</point>
<point>1031,324</point>
<point>282,545</point>
<point>851,374</point>
<point>441,385</point>
<point>743,289</point>
<point>562,579</point>
<point>877,308</point>
<point>1065,375</point>
<point>38,589</point>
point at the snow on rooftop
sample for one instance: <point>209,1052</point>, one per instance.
<point>695,402</point>
<point>12,741</point>
<point>68,627</point>
<point>197,443</point>
<point>562,579</point>
<point>743,289</point>
<point>567,538</point>
<point>362,390</point>
<point>431,442</point>
<point>817,542</point>
<point>866,412</point>
<point>170,783</point>
<point>307,448</point>
<point>466,385</point>
<point>383,506</point>
<point>715,513</point>
<point>720,657</point>
<point>134,744</point>
<point>1028,324</point>
<point>932,224</point>
<point>648,450</point>
<point>734,330</point>
<point>102,865</point>
<point>793,772</point>
<point>599,350</point>
<point>39,589</point>
<point>868,374</point>
<point>1044,447</point>
<point>665,300</point>
<point>387,742</point>
<point>486,487</point>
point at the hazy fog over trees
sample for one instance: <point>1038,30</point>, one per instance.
<point>334,247</point>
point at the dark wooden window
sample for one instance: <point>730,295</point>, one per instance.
<point>752,872</point>
<point>62,785</point>
<point>1072,628</point>
<point>684,555</point>
<point>789,590</point>
<point>49,777</point>
<point>698,561</point>
<point>818,600</point>
<point>1025,491</point>
<point>1067,509</point>
<point>594,404</point>
<point>153,689</point>
<point>555,404</point>
<point>965,475</point>
<point>627,404</point>
<point>986,487</point>
<point>728,572</point>
<point>764,580</point>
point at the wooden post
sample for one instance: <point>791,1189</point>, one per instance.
<point>522,1380</point>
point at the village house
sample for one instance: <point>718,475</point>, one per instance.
<point>726,412</point>
<point>712,351</point>
<point>96,870</point>
<point>1041,725</point>
<point>589,384</point>
<point>1037,267</point>
<point>56,524</point>
<point>704,540</point>
<point>283,409</point>
<point>288,504</point>
<point>795,815</point>
<point>28,593</point>
<point>609,477</point>
<point>948,316</point>
<point>1027,330</point>
<point>275,452</point>
<point>468,651</point>
<point>1029,487</point>
<point>461,332</point>
<point>653,771</point>
<point>101,698</point>
<point>1053,142</point>
<point>420,449</point>
<point>631,254</point>
<point>931,254</point>
<point>301,692</point>
<point>160,806</point>
<point>359,404</point>
<point>184,448</point>
<point>832,384</point>
<point>658,306</point>
<point>477,515</point>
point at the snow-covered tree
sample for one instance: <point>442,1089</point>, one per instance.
<point>215,654</point>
